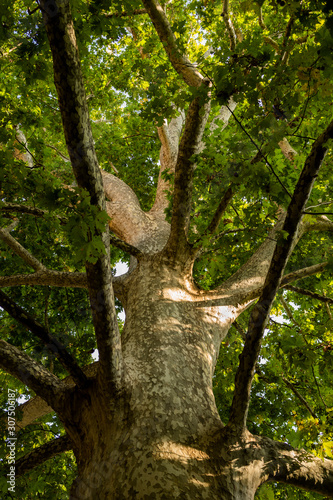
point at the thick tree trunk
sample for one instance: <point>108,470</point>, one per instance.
<point>162,438</point>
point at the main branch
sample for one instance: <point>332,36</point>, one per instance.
<point>37,407</point>
<point>76,124</point>
<point>182,197</point>
<point>260,313</point>
<point>297,467</point>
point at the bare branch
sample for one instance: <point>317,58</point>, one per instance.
<point>183,184</point>
<point>39,455</point>
<point>58,349</point>
<point>303,273</point>
<point>36,407</point>
<point>269,40</point>
<point>284,48</point>
<point>288,151</point>
<point>178,60</point>
<point>21,251</point>
<point>313,295</point>
<point>135,12</point>
<point>229,26</point>
<point>58,152</point>
<point>297,467</point>
<point>322,224</point>
<point>21,139</point>
<point>46,278</point>
<point>38,212</point>
<point>224,115</point>
<point>260,313</point>
<point>13,207</point>
<point>299,396</point>
<point>77,129</point>
<point>169,134</point>
<point>261,19</point>
<point>32,374</point>
<point>125,246</point>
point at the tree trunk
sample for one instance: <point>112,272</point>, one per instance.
<point>162,438</point>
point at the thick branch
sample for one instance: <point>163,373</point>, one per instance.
<point>297,467</point>
<point>32,374</point>
<point>178,60</point>
<point>260,313</point>
<point>46,278</point>
<point>322,224</point>
<point>303,273</point>
<point>169,134</point>
<point>58,349</point>
<point>36,407</point>
<point>75,117</point>
<point>182,197</point>
<point>41,454</point>
<point>125,246</point>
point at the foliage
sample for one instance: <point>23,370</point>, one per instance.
<point>282,84</point>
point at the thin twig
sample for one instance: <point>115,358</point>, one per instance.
<point>260,151</point>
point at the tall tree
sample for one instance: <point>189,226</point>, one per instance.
<point>192,141</point>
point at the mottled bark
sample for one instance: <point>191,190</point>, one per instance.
<point>146,424</point>
<point>179,61</point>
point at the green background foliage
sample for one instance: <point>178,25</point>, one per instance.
<point>128,95</point>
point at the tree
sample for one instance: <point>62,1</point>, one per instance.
<point>235,99</point>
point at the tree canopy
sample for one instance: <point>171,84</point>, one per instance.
<point>267,74</point>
